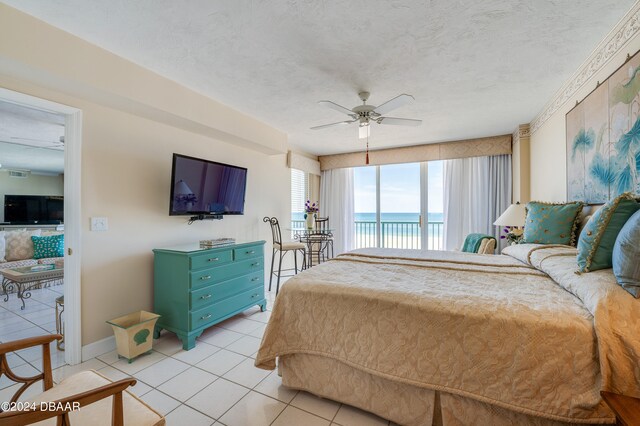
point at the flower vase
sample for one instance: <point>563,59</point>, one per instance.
<point>309,218</point>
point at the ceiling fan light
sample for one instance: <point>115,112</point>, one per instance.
<point>364,131</point>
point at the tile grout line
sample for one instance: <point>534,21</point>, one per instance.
<point>189,365</point>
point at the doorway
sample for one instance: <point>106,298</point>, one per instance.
<point>69,145</point>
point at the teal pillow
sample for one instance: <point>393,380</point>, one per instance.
<point>595,246</point>
<point>626,256</point>
<point>549,223</point>
<point>50,246</point>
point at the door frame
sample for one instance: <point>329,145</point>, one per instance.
<point>72,215</point>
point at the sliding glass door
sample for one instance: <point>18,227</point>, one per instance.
<point>434,209</point>
<point>365,206</point>
<point>399,206</point>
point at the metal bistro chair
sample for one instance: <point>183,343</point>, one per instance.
<point>282,249</point>
<point>325,238</point>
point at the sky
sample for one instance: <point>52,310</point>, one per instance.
<point>399,188</point>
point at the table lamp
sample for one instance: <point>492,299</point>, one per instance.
<point>513,222</point>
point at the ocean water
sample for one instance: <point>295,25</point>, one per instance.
<point>384,217</point>
<point>398,230</point>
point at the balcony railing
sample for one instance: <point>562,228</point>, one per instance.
<point>298,223</point>
<point>405,235</point>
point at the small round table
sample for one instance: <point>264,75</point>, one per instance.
<point>59,322</point>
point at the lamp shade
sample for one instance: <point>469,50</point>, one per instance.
<point>512,216</point>
<point>182,188</point>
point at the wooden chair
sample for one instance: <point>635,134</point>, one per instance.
<point>100,401</point>
<point>282,249</point>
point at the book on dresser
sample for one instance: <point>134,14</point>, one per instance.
<point>196,287</point>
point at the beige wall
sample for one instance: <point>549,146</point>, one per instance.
<point>31,185</point>
<point>548,149</point>
<point>521,162</point>
<point>126,160</point>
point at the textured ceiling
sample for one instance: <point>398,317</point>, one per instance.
<point>30,139</point>
<point>476,68</point>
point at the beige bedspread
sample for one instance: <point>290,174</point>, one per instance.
<point>491,328</point>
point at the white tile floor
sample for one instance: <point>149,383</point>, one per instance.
<point>214,383</point>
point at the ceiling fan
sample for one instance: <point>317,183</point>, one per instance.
<point>366,114</point>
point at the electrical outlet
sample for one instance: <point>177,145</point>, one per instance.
<point>99,224</point>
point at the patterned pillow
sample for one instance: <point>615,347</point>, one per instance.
<point>626,253</point>
<point>548,223</point>
<point>50,246</point>
<point>3,244</point>
<point>19,244</point>
<point>595,246</point>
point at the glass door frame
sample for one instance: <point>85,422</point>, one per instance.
<point>423,221</point>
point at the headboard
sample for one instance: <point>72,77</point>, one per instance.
<point>587,211</point>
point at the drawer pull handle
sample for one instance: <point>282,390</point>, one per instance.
<point>205,277</point>
<point>255,278</point>
<point>206,296</point>
<point>251,252</point>
<point>213,259</point>
<point>255,295</point>
<point>204,317</point>
<point>255,264</point>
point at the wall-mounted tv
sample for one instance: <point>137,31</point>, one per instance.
<point>29,209</point>
<point>206,187</point>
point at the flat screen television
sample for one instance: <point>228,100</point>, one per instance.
<point>206,187</point>
<point>28,209</point>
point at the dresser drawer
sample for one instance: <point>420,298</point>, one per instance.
<point>247,252</point>
<point>211,259</point>
<point>211,276</point>
<point>214,293</point>
<point>217,310</point>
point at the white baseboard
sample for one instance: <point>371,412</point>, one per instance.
<point>100,347</point>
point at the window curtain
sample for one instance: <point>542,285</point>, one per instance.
<point>336,203</point>
<point>476,191</point>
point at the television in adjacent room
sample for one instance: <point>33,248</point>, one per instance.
<point>201,186</point>
<point>31,209</point>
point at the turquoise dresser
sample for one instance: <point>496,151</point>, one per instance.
<point>195,288</point>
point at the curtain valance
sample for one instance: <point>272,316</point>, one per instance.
<point>481,147</point>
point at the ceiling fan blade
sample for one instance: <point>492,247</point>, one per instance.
<point>338,108</point>
<point>324,126</point>
<point>364,132</point>
<point>394,103</point>
<point>399,121</point>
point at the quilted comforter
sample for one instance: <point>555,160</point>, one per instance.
<point>522,332</point>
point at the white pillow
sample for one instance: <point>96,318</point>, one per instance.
<point>19,245</point>
<point>3,244</point>
<point>50,233</point>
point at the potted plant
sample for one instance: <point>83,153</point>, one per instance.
<point>513,235</point>
<point>310,212</point>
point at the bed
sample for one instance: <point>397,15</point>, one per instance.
<point>450,338</point>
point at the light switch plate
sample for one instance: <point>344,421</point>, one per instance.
<point>99,224</point>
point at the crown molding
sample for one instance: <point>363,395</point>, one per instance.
<point>623,32</point>
<point>523,131</point>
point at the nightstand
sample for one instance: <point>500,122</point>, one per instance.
<point>626,408</point>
